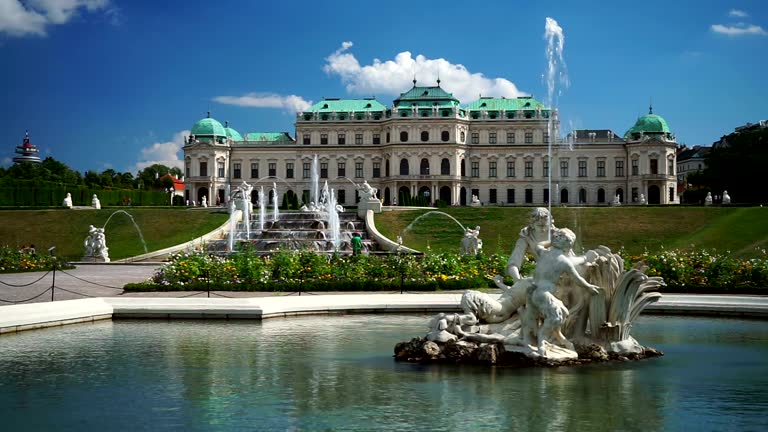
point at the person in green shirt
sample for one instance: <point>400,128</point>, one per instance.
<point>357,244</point>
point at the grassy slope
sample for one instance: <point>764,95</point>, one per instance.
<point>67,229</point>
<point>739,230</point>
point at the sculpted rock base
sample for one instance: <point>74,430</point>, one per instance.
<point>421,350</point>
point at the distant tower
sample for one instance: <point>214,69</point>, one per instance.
<point>27,152</point>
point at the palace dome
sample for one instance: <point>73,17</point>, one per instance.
<point>649,124</point>
<point>231,133</point>
<point>208,127</point>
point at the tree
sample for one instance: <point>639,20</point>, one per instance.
<point>738,167</point>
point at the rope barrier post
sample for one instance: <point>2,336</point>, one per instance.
<point>53,282</point>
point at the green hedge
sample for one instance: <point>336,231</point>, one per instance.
<point>28,193</point>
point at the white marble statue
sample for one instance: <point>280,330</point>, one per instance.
<point>95,203</point>
<point>568,300</point>
<point>367,192</point>
<point>616,200</point>
<point>68,200</point>
<point>726,197</point>
<point>708,199</point>
<point>471,244</point>
<point>642,198</point>
<point>96,245</point>
<point>204,202</point>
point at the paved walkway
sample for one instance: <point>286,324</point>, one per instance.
<point>106,281</point>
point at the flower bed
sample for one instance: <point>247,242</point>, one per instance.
<point>13,260</point>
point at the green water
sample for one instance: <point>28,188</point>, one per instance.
<point>337,373</point>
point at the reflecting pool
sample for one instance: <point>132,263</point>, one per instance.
<point>337,373</point>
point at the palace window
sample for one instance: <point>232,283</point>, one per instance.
<point>445,136</point>
<point>529,196</point>
<point>463,136</point>
<point>203,169</point>
<point>635,167</point>
<point>358,139</point>
<point>324,170</point>
<point>529,169</point>
<point>376,169</point>
<point>237,170</point>
<point>342,196</point>
<point>475,138</point>
<point>403,166</point>
<point>289,170</point>
<point>546,137</point>
<point>424,136</point>
<point>273,169</point>
<point>220,166</point>
<point>342,169</point>
<point>670,167</point>
<point>475,168</point>
<point>529,137</point>
<point>619,168</point>
<point>323,138</point>
<point>424,168</point>
<point>306,139</point>
<point>305,170</point>
<point>510,196</point>
<point>254,170</point>
<point>342,139</point>
<point>403,136</point>
<point>510,137</point>
<point>545,168</point>
<point>582,168</point>
<point>601,168</point>
<point>510,168</point>
<point>654,166</point>
<point>358,169</point>
<point>377,138</point>
<point>492,138</point>
<point>492,196</point>
<point>492,169</point>
<point>445,167</point>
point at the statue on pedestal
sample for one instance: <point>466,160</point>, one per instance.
<point>96,245</point>
<point>68,200</point>
<point>95,203</point>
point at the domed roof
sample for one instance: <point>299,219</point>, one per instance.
<point>650,124</point>
<point>208,126</point>
<point>231,133</point>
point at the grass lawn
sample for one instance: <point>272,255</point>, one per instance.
<point>739,230</point>
<point>67,229</point>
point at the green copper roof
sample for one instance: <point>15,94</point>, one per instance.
<point>513,104</point>
<point>208,126</point>
<point>231,133</point>
<point>268,136</point>
<point>648,124</point>
<point>425,96</point>
<point>347,105</point>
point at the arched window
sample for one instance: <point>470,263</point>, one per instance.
<point>601,195</point>
<point>386,168</point>
<point>424,136</point>
<point>445,136</point>
<point>403,166</point>
<point>620,194</point>
<point>582,196</point>
<point>403,136</point>
<point>445,167</point>
<point>462,136</point>
<point>564,196</point>
<point>463,168</point>
<point>424,169</point>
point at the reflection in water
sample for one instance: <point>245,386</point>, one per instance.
<point>337,373</point>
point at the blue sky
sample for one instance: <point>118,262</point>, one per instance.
<point>117,83</point>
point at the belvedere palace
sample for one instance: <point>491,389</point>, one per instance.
<point>428,144</point>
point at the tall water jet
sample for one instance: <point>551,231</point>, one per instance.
<point>315,186</point>
<point>262,208</point>
<point>333,221</point>
<point>232,226</point>
<point>141,236</point>
<point>276,213</point>
<point>556,73</point>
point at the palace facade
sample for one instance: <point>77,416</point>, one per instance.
<point>428,144</point>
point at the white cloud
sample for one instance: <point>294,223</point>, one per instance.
<point>739,29</point>
<point>291,103</point>
<point>32,17</point>
<point>393,76</point>
<point>737,13</point>
<point>6,162</point>
<point>166,153</point>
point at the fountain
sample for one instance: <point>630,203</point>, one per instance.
<point>572,309</point>
<point>470,242</point>
<point>262,208</point>
<point>275,199</point>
